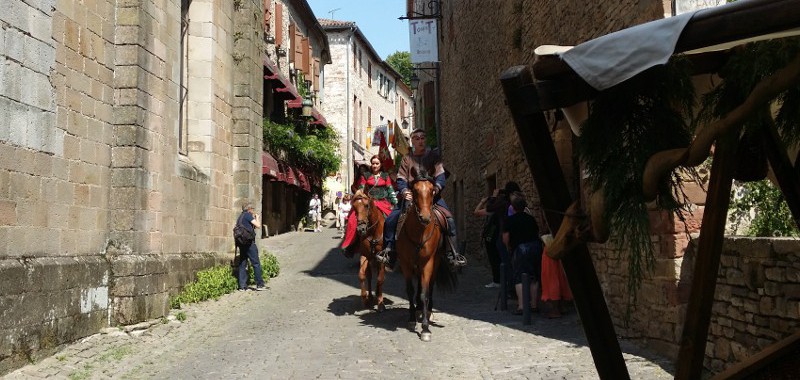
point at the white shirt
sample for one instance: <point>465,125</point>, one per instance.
<point>344,208</point>
<point>314,205</point>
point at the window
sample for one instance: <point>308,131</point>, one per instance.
<point>183,89</point>
<point>369,74</point>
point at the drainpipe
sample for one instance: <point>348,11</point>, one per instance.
<point>347,128</point>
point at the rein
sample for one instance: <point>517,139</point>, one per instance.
<point>435,223</point>
<point>425,238</point>
<point>373,242</point>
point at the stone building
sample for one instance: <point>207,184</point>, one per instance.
<point>131,136</point>
<point>361,93</point>
<point>295,53</point>
<point>475,47</point>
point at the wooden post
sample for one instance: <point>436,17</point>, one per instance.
<point>784,172</point>
<point>709,248</point>
<point>540,153</point>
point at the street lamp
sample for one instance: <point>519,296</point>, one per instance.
<point>404,123</point>
<point>307,107</point>
<point>414,81</point>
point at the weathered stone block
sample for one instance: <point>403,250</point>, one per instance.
<point>127,310</point>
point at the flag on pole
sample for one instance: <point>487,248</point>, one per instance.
<point>400,144</point>
<point>384,155</point>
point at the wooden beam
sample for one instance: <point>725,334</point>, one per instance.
<point>786,175</point>
<point>767,356</point>
<point>709,249</point>
<point>542,159</point>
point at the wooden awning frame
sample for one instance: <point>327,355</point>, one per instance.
<point>550,84</point>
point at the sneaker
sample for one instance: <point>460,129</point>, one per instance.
<point>241,290</point>
<point>492,285</point>
<point>261,288</point>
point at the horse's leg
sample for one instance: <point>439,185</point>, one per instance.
<point>370,299</point>
<point>412,310</point>
<point>362,278</point>
<point>425,283</point>
<point>379,285</point>
<point>418,297</point>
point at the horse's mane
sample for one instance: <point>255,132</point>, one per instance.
<point>360,194</point>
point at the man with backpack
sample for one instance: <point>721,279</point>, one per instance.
<point>244,235</point>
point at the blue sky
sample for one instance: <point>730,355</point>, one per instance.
<point>377,20</point>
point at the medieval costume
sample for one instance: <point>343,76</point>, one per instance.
<point>380,189</point>
<point>429,162</point>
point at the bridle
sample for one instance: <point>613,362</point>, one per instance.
<point>373,242</point>
<point>425,237</point>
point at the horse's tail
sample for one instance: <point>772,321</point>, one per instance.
<point>446,279</point>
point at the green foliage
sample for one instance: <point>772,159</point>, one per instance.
<point>270,266</point>
<point>84,373</point>
<point>216,281</point>
<point>401,62</point>
<point>750,64</point>
<point>117,353</point>
<point>615,147</point>
<point>180,316</point>
<point>314,149</point>
<point>765,204</point>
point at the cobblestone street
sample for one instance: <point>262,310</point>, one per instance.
<point>310,324</point>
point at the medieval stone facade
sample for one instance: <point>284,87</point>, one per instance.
<point>131,134</point>
<point>360,92</point>
<point>295,51</point>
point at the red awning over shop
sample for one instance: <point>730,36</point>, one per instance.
<point>318,118</point>
<point>269,165</point>
<point>291,176</point>
<point>281,85</point>
<point>303,179</point>
<point>295,103</point>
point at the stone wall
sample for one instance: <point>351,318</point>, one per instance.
<point>757,300</point>
<point>481,39</point>
<point>104,211</point>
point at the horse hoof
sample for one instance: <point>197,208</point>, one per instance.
<point>381,308</point>
<point>425,337</point>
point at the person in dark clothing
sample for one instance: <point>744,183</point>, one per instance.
<point>500,207</point>
<point>490,234</point>
<point>249,219</point>
<point>521,238</point>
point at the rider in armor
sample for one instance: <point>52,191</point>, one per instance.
<point>429,160</point>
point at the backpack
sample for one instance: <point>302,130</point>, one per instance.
<point>489,232</point>
<point>242,235</point>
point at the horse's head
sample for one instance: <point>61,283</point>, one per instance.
<point>422,189</point>
<point>360,205</point>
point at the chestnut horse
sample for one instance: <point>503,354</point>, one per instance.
<point>369,237</point>
<point>419,248</point>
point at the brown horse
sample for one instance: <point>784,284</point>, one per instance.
<point>369,237</point>
<point>419,248</point>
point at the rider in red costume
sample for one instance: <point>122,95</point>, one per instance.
<point>378,185</point>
